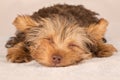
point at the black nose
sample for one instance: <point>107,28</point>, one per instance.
<point>56,59</point>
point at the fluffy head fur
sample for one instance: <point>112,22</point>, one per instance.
<point>58,36</point>
<point>61,35</point>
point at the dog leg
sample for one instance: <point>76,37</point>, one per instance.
<point>106,50</point>
<point>17,54</point>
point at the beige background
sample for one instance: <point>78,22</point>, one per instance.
<point>94,69</point>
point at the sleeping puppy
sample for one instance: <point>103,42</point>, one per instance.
<point>60,35</point>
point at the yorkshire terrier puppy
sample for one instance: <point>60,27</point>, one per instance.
<point>60,35</point>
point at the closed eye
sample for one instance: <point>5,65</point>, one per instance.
<point>49,39</point>
<point>73,45</point>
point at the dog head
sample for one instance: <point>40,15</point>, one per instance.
<point>59,41</point>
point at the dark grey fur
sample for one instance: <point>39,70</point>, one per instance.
<point>84,16</point>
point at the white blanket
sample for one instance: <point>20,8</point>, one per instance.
<point>93,69</point>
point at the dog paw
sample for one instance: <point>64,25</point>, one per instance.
<point>106,50</point>
<point>11,42</point>
<point>18,58</point>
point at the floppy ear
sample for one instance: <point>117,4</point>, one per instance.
<point>23,22</point>
<point>98,30</point>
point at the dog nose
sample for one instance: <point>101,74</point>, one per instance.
<point>56,59</point>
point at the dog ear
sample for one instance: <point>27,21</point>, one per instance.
<point>23,22</point>
<point>98,30</point>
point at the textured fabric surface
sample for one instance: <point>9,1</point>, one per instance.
<point>93,69</point>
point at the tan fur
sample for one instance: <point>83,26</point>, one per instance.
<point>43,54</point>
<point>54,39</point>
<point>16,54</point>
<point>106,50</point>
<point>23,22</point>
<point>98,30</point>
<point>61,35</point>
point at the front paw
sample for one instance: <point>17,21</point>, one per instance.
<point>106,50</point>
<point>18,58</point>
<point>11,42</point>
